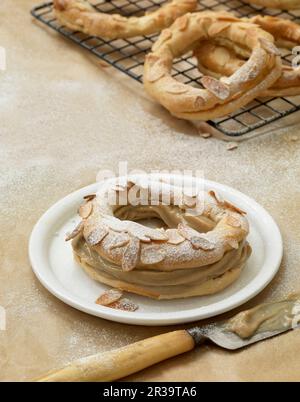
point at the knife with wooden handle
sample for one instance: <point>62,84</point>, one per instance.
<point>262,322</point>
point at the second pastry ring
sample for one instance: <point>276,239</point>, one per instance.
<point>81,16</point>
<point>218,97</point>
<point>222,60</point>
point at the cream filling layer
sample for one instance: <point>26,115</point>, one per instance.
<point>172,284</point>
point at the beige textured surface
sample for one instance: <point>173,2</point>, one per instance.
<point>63,118</point>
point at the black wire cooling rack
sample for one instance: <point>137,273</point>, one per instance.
<point>127,55</point>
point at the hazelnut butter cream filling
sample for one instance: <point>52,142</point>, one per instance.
<point>178,283</point>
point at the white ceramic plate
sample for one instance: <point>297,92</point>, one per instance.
<point>52,261</point>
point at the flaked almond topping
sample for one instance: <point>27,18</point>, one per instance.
<point>269,46</point>
<point>158,234</point>
<point>199,242</point>
<point>156,72</point>
<point>152,255</point>
<point>207,19</point>
<point>75,232</point>
<point>217,28</point>
<point>118,18</point>
<point>131,255</point>
<point>81,6</point>
<point>152,58</point>
<point>165,35</point>
<point>182,23</point>
<point>174,237</point>
<point>144,233</point>
<point>232,221</point>
<point>119,240</point>
<point>85,210</point>
<point>199,102</point>
<point>185,231</point>
<point>234,244</point>
<point>216,87</point>
<point>139,232</point>
<point>233,208</point>
<point>226,204</point>
<point>115,224</point>
<point>176,88</point>
<point>109,296</point>
<point>96,235</point>
<point>228,17</point>
<point>79,21</point>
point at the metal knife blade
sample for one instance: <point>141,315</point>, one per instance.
<point>251,326</point>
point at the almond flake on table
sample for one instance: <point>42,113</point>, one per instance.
<point>205,135</point>
<point>109,296</point>
<point>231,146</point>
<point>124,304</point>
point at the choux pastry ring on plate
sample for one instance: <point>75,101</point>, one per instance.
<point>81,16</point>
<point>217,60</point>
<point>218,97</point>
<point>278,4</point>
<point>199,249</point>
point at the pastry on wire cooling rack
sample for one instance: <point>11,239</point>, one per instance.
<point>277,4</point>
<point>218,60</point>
<point>80,15</point>
<point>218,97</point>
<point>200,249</point>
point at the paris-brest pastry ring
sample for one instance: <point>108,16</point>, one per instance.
<point>218,97</point>
<point>277,4</point>
<point>217,60</point>
<point>201,249</point>
<point>81,16</point>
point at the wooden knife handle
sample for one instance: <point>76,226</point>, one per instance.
<point>115,364</point>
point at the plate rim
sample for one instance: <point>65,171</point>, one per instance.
<point>252,289</point>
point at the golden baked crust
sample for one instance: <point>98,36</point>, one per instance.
<point>217,60</point>
<point>202,251</point>
<point>277,4</point>
<point>79,15</point>
<point>218,98</point>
